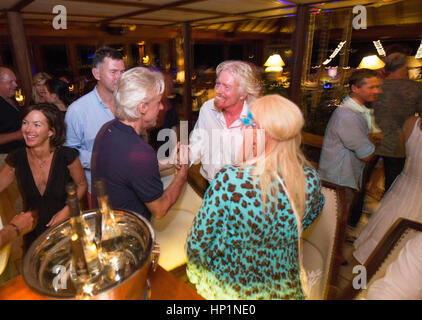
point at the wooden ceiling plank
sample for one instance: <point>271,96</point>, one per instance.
<point>149,6</point>
<point>173,6</point>
<point>98,16</point>
<point>20,5</point>
<point>244,14</point>
<point>158,8</point>
<point>268,25</point>
<point>118,3</point>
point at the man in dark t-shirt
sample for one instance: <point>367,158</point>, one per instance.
<point>127,164</point>
<point>10,122</point>
<point>400,99</point>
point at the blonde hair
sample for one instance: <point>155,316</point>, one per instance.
<point>281,120</point>
<point>247,75</point>
<point>39,78</point>
<point>135,86</point>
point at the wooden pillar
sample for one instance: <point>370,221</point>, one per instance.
<point>259,52</point>
<point>226,51</point>
<point>187,86</point>
<point>128,52</point>
<point>309,44</point>
<point>20,49</point>
<point>149,51</point>
<point>307,60</point>
<point>39,64</point>
<point>324,40</point>
<point>344,53</point>
<point>165,55</point>
<point>72,59</point>
<point>171,53</point>
<point>298,46</point>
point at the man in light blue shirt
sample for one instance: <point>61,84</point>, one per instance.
<point>349,142</point>
<point>85,117</point>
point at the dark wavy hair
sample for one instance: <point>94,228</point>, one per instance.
<point>55,120</point>
<point>60,88</point>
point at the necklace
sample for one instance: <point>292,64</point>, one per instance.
<point>42,164</point>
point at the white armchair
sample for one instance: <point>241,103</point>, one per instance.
<point>384,255</point>
<point>323,244</point>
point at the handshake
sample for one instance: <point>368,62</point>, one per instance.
<point>179,158</point>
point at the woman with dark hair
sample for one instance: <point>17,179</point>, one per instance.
<point>44,167</point>
<point>58,94</point>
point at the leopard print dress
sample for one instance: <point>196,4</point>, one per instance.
<point>236,251</point>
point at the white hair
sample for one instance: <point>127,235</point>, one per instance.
<point>137,85</point>
<point>247,75</point>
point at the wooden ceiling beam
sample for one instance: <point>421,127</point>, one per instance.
<point>148,6</point>
<point>20,5</point>
<point>245,14</point>
<point>236,26</point>
<point>230,21</point>
<point>90,31</point>
<point>144,11</point>
<point>96,16</point>
<point>35,21</point>
<point>268,25</point>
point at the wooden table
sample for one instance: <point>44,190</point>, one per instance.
<point>164,286</point>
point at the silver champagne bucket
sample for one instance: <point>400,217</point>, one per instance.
<point>47,263</point>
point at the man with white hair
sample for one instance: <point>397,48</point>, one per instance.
<point>218,133</point>
<point>10,123</point>
<point>123,160</point>
<point>86,116</point>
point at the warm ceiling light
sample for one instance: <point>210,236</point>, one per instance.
<point>412,62</point>
<point>274,63</point>
<point>371,62</point>
<point>180,76</point>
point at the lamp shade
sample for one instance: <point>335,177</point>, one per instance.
<point>274,63</point>
<point>371,62</point>
<point>412,62</point>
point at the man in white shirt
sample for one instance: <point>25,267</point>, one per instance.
<point>218,133</point>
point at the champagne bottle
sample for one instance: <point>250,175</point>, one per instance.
<point>112,243</point>
<point>85,267</point>
<point>110,227</point>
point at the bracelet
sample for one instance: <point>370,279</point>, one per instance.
<point>16,228</point>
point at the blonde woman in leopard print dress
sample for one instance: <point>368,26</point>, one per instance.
<point>243,243</point>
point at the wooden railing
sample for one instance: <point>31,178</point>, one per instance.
<point>312,140</point>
